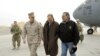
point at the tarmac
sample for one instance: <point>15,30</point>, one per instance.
<point>89,47</point>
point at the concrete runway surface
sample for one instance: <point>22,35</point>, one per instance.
<point>90,47</point>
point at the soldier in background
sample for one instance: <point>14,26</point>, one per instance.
<point>80,29</point>
<point>16,32</point>
<point>33,31</point>
<point>95,28</point>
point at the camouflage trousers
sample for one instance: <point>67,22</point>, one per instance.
<point>16,41</point>
<point>33,49</point>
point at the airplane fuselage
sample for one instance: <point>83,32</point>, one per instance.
<point>89,13</point>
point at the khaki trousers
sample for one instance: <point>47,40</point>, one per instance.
<point>33,49</point>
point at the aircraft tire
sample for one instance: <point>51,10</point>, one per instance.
<point>90,31</point>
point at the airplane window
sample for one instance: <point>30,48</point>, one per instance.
<point>88,7</point>
<point>88,10</point>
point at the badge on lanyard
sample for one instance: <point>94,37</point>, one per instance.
<point>70,27</point>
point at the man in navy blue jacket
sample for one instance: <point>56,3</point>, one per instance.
<point>68,33</point>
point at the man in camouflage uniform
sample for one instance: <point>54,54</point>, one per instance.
<point>80,29</point>
<point>33,31</point>
<point>16,31</point>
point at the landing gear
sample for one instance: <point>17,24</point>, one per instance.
<point>90,31</point>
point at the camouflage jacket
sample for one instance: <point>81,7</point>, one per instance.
<point>33,32</point>
<point>15,30</point>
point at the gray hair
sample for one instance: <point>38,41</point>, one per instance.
<point>51,16</point>
<point>67,14</point>
<point>31,14</point>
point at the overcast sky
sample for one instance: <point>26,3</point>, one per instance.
<point>11,10</point>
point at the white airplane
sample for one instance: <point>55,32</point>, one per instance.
<point>89,13</point>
